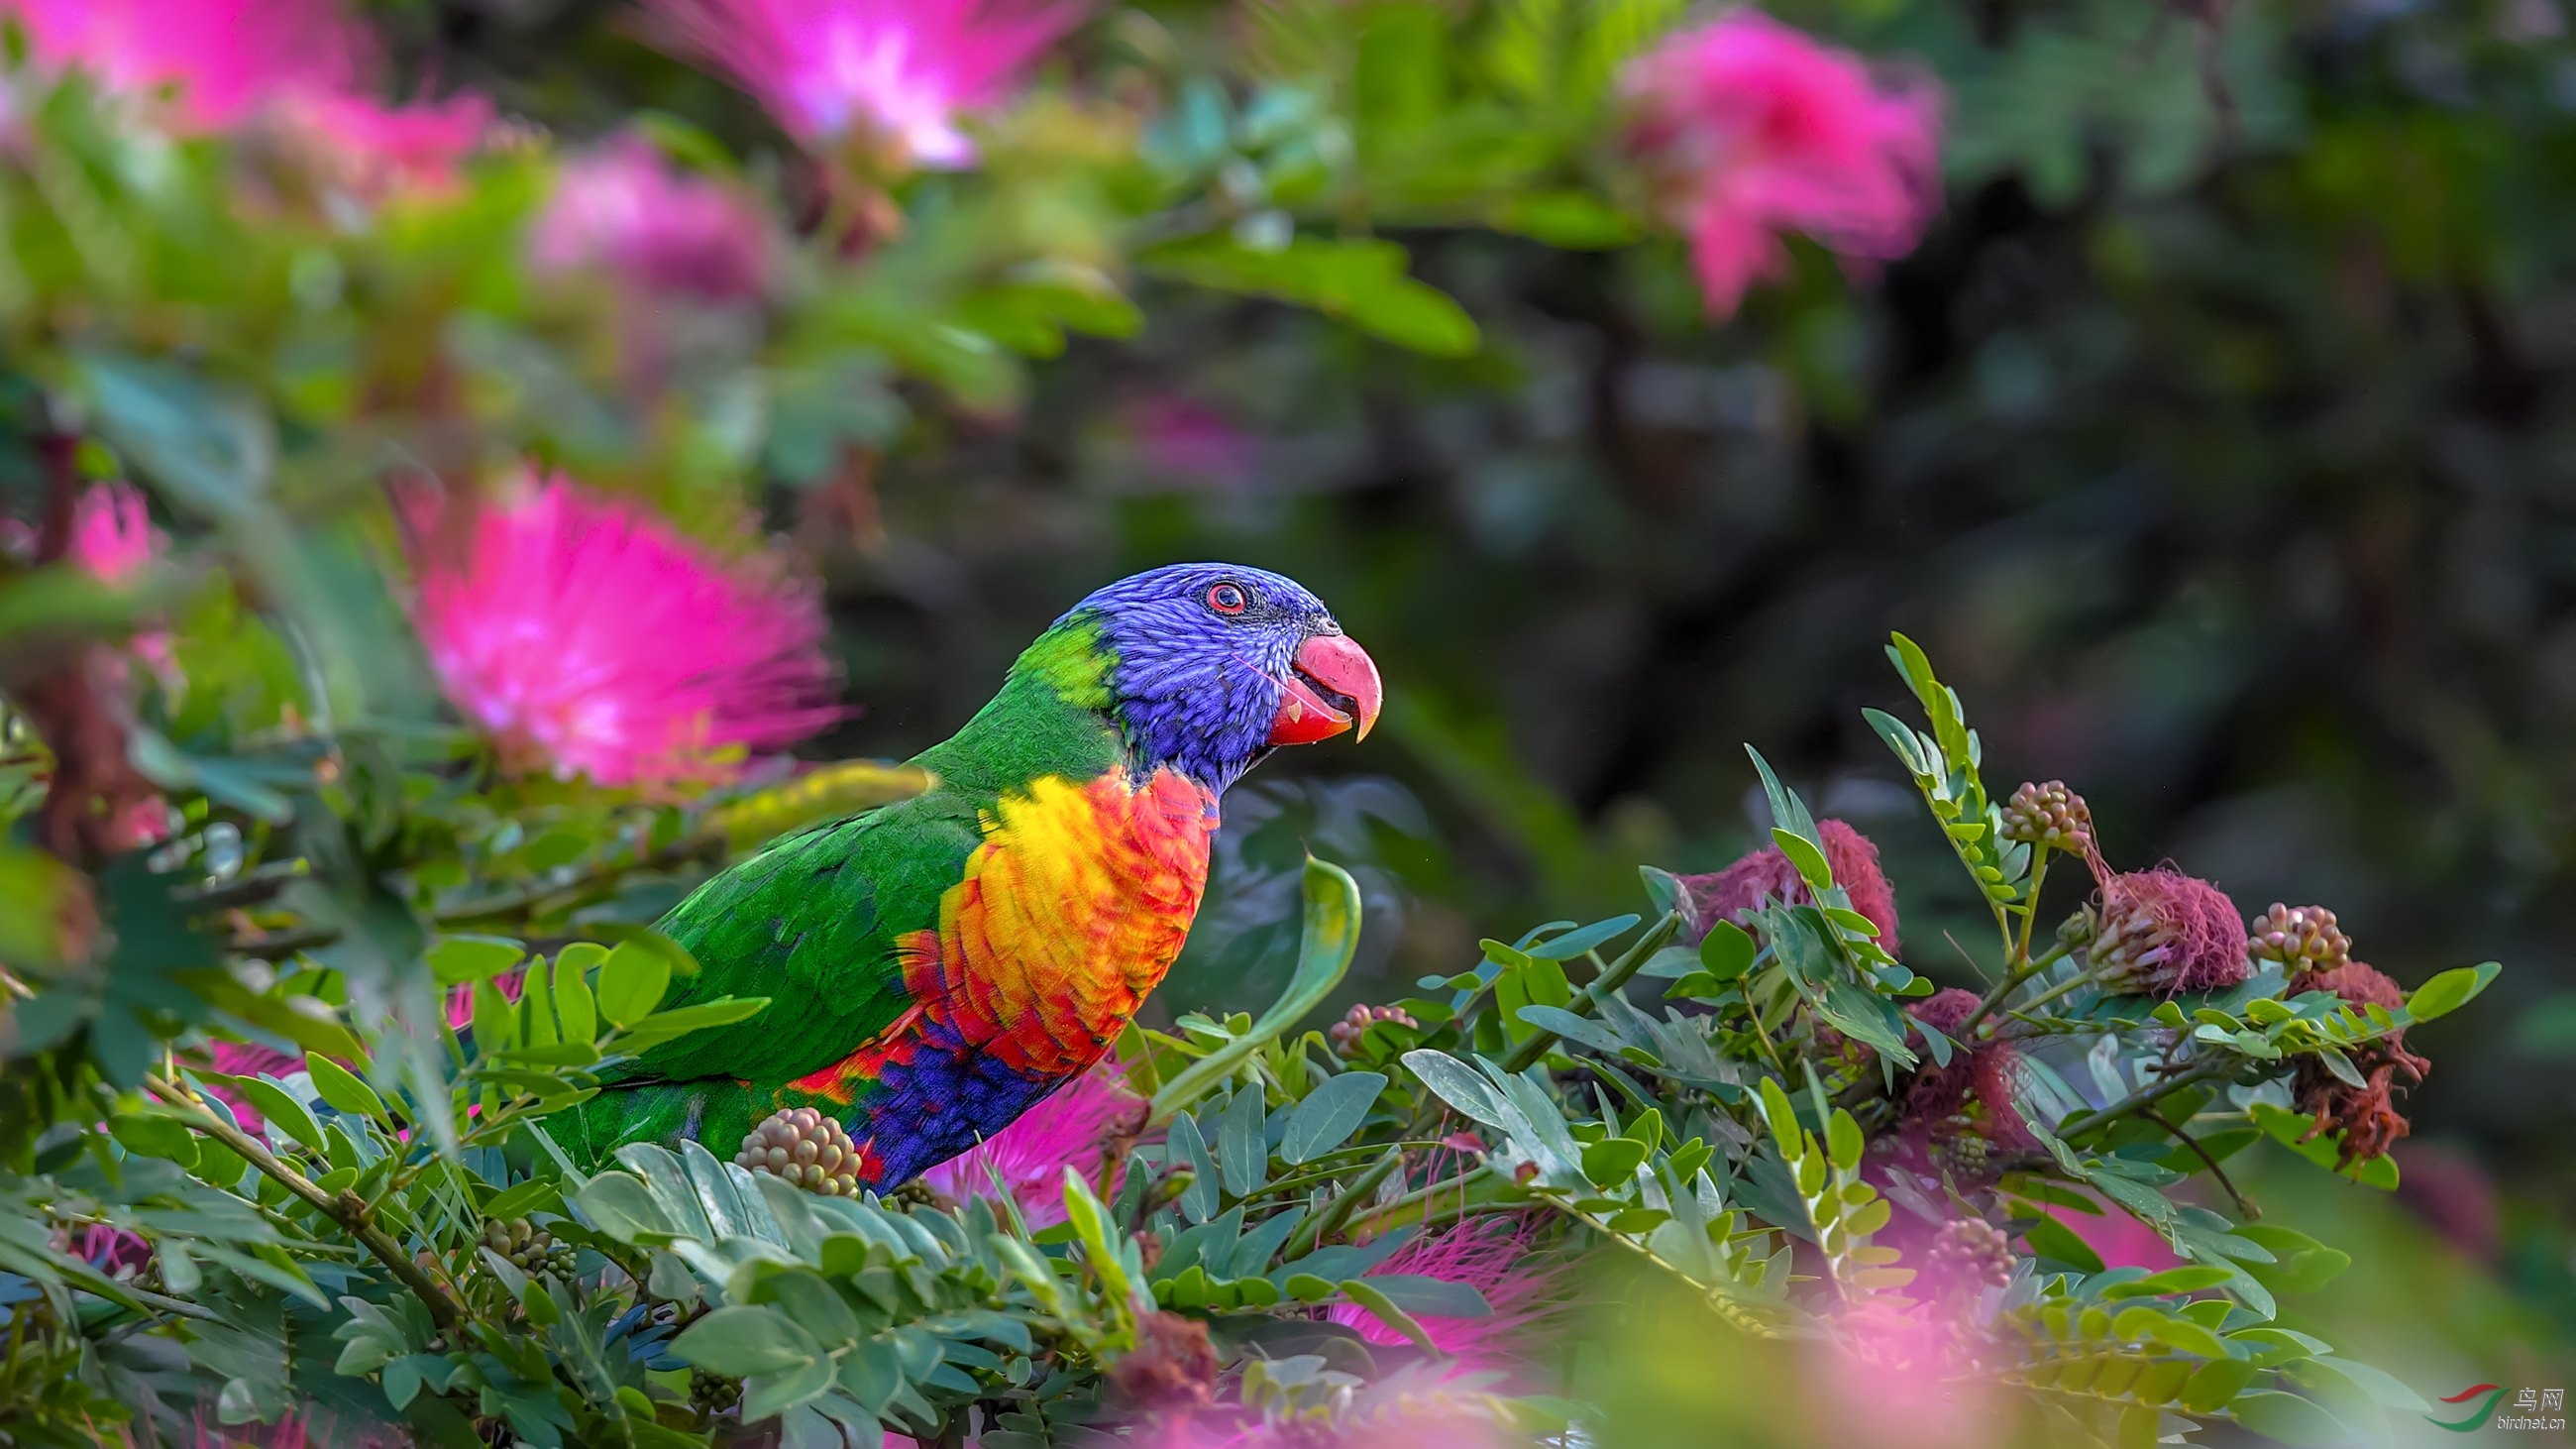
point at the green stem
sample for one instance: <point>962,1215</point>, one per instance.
<point>2030,907</point>
<point>1338,1212</point>
<point>1603,987</point>
<point>2080,978</point>
<point>2244,1204</point>
<point>1309,1179</point>
<point>347,1208</point>
<point>2137,1101</point>
<point>1459,1184</point>
<point>2011,982</point>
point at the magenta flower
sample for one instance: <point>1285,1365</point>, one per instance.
<point>625,209</point>
<point>223,59</point>
<point>590,639</point>
<point>1756,130</point>
<point>224,63</point>
<point>1075,1127</point>
<point>1724,895</point>
<point>1493,1254</point>
<point>371,151</point>
<point>898,71</point>
<point>112,533</point>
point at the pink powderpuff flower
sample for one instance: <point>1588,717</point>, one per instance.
<point>590,639</point>
<point>113,538</point>
<point>1724,895</point>
<point>2161,932</point>
<point>1895,1374</point>
<point>900,71</point>
<point>1073,1127</point>
<point>371,151</point>
<point>222,59</point>
<point>1493,1254</point>
<point>112,533</point>
<point>1757,130</point>
<point>1982,1070</point>
<point>624,208</point>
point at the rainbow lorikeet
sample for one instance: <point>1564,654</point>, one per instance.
<point>936,966</point>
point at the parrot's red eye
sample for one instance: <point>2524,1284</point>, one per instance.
<point>1226,598</point>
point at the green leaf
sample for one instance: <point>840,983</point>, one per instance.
<point>1307,1288</point>
<point>282,1110</point>
<point>2451,990</point>
<point>1329,1115</point>
<point>154,1135</point>
<point>334,1084</point>
<point>679,1021</point>
<point>1572,220</point>
<point>2188,1336</point>
<point>1843,1142</point>
<point>2214,1384</point>
<point>1438,1297</point>
<point>1242,1144</point>
<point>1324,954</point>
<point>1727,951</point>
<point>1362,282</point>
<point>537,1194</point>
<point>741,1340</point>
<point>1803,854</point>
<point>2288,1418</point>
<point>631,983</point>
<point>811,1304</point>
<point>574,1007</point>
<point>1613,1160</point>
<point>2050,1238</point>
<point>766,1396</point>
<point>456,960</point>
<point>1098,1232</point>
<point>1567,1025</point>
<point>2290,1129</point>
<point>1575,942</point>
<point>1198,1201</point>
<point>1383,1308</point>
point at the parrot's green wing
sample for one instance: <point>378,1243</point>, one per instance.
<point>811,922</point>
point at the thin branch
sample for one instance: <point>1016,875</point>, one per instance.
<point>2011,982</point>
<point>346,1208</point>
<point>2138,1101</point>
<point>2243,1203</point>
<point>1603,987</point>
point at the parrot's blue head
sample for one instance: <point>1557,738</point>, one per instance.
<point>1211,666</point>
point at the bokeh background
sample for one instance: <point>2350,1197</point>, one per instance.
<point>2219,443</point>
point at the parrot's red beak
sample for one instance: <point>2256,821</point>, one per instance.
<point>1329,687</point>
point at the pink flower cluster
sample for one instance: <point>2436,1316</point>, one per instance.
<point>1724,895</point>
<point>1075,1127</point>
<point>591,639</point>
<point>1755,130</point>
<point>1495,1254</point>
<point>227,63</point>
<point>625,209</point>
<point>899,72</point>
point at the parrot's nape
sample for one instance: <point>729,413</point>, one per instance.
<point>935,967</point>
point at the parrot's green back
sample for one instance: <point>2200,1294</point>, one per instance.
<point>839,925</point>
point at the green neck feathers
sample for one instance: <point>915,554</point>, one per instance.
<point>1050,718</point>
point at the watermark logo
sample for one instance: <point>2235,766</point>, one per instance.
<point>2532,1409</point>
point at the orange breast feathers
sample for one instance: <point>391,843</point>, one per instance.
<point>1070,912</point>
